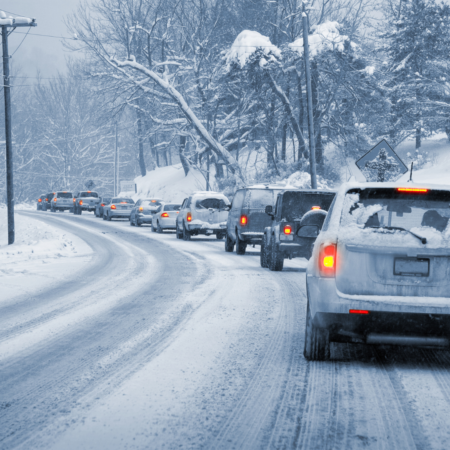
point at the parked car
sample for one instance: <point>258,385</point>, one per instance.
<point>165,218</point>
<point>119,208</point>
<point>143,211</point>
<point>62,201</point>
<point>40,201</point>
<point>85,201</point>
<point>47,201</point>
<point>100,205</point>
<point>295,225</point>
<point>247,218</point>
<point>203,213</point>
<point>379,269</point>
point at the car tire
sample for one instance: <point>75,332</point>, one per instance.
<point>104,217</point>
<point>179,233</point>
<point>138,224</point>
<point>229,244</point>
<point>220,236</point>
<point>317,340</point>
<point>38,208</point>
<point>131,222</point>
<point>241,246</point>
<point>263,255</point>
<point>71,210</point>
<point>276,260</point>
<point>186,233</point>
<point>158,227</point>
<point>108,217</point>
<point>79,211</point>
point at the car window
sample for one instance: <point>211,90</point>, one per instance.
<point>64,195</point>
<point>238,199</point>
<point>138,203</point>
<point>296,203</point>
<point>188,204</point>
<point>171,207</point>
<point>213,203</point>
<point>277,206</point>
<point>89,194</point>
<point>122,200</point>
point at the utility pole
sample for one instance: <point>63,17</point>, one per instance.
<point>10,22</point>
<point>116,164</point>
<point>312,138</point>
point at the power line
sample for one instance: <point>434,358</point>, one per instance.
<point>21,42</point>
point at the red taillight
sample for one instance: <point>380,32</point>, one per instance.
<point>189,217</point>
<point>153,201</point>
<point>102,204</point>
<point>89,192</point>
<point>124,203</point>
<point>54,199</point>
<point>415,190</point>
<point>164,215</point>
<point>358,311</point>
<point>315,207</point>
<point>244,220</point>
<point>287,229</point>
<point>81,202</point>
<point>46,199</point>
<point>327,261</point>
<point>74,200</point>
<point>40,200</point>
<point>113,207</point>
<point>141,208</point>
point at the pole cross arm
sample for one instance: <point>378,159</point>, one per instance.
<point>15,22</point>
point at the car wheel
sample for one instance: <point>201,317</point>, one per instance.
<point>229,244</point>
<point>179,233</point>
<point>71,210</point>
<point>186,233</point>
<point>131,222</point>
<point>317,340</point>
<point>104,217</point>
<point>158,227</point>
<point>276,260</point>
<point>263,254</point>
<point>108,217</point>
<point>79,211</point>
<point>241,246</point>
<point>220,235</point>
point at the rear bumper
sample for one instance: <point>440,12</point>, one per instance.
<point>167,223</point>
<point>388,315</point>
<point>117,214</point>
<point>200,229</point>
<point>145,218</point>
<point>87,207</point>
<point>253,237</point>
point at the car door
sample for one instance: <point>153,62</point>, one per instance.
<point>135,210</point>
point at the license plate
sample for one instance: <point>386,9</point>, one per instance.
<point>412,267</point>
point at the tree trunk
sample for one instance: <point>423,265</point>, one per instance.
<point>316,111</point>
<point>301,115</point>
<point>283,142</point>
<point>418,137</point>
<point>183,159</point>
<point>141,142</point>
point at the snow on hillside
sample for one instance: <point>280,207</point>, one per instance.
<point>169,183</point>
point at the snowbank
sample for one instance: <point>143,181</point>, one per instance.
<point>302,180</point>
<point>246,43</point>
<point>326,36</point>
<point>169,183</point>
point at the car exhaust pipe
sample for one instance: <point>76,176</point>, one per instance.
<point>413,341</point>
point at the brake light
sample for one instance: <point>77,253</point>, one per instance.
<point>327,261</point>
<point>153,201</point>
<point>287,229</point>
<point>415,190</point>
<point>164,215</point>
<point>81,202</point>
<point>46,199</point>
<point>124,203</point>
<point>189,217</point>
<point>244,220</point>
<point>358,311</point>
<point>54,199</point>
<point>39,200</point>
<point>89,192</point>
<point>141,208</point>
<point>113,207</point>
<point>74,200</point>
<point>315,207</point>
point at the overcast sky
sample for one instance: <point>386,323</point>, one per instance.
<point>36,52</point>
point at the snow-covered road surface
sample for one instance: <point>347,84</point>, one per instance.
<point>161,343</point>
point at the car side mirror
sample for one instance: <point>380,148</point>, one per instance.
<point>227,208</point>
<point>269,210</point>
<point>310,231</point>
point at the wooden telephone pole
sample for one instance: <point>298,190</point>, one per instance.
<point>5,23</point>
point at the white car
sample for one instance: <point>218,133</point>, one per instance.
<point>380,269</point>
<point>165,217</point>
<point>119,208</point>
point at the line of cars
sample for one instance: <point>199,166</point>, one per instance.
<point>379,253</point>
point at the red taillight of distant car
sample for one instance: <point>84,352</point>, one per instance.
<point>74,200</point>
<point>40,200</point>
<point>244,220</point>
<point>54,199</point>
<point>102,204</point>
<point>113,207</point>
<point>164,215</point>
<point>46,199</point>
<point>189,217</point>
<point>413,190</point>
<point>359,311</point>
<point>141,208</point>
<point>314,208</point>
<point>81,202</point>
<point>327,261</point>
<point>287,229</point>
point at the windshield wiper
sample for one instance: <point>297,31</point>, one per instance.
<point>421,239</point>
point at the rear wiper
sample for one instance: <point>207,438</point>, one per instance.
<point>421,239</point>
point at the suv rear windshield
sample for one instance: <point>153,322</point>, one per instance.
<point>89,194</point>
<point>122,200</point>
<point>295,204</point>
<point>419,212</point>
<point>214,203</point>
<point>172,207</point>
<point>64,195</point>
<point>260,198</point>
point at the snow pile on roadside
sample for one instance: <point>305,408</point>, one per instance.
<point>34,240</point>
<point>169,183</point>
<point>246,43</point>
<point>302,180</point>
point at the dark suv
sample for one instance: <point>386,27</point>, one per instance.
<point>247,218</point>
<point>295,225</point>
<point>47,201</point>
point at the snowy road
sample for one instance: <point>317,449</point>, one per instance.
<point>161,343</point>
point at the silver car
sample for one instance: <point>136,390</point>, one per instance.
<point>165,217</point>
<point>380,269</point>
<point>119,208</point>
<point>61,201</point>
<point>143,211</point>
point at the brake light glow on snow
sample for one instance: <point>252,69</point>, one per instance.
<point>287,229</point>
<point>244,220</point>
<point>358,311</point>
<point>164,215</point>
<point>315,207</point>
<point>188,217</point>
<point>415,190</point>
<point>113,207</point>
